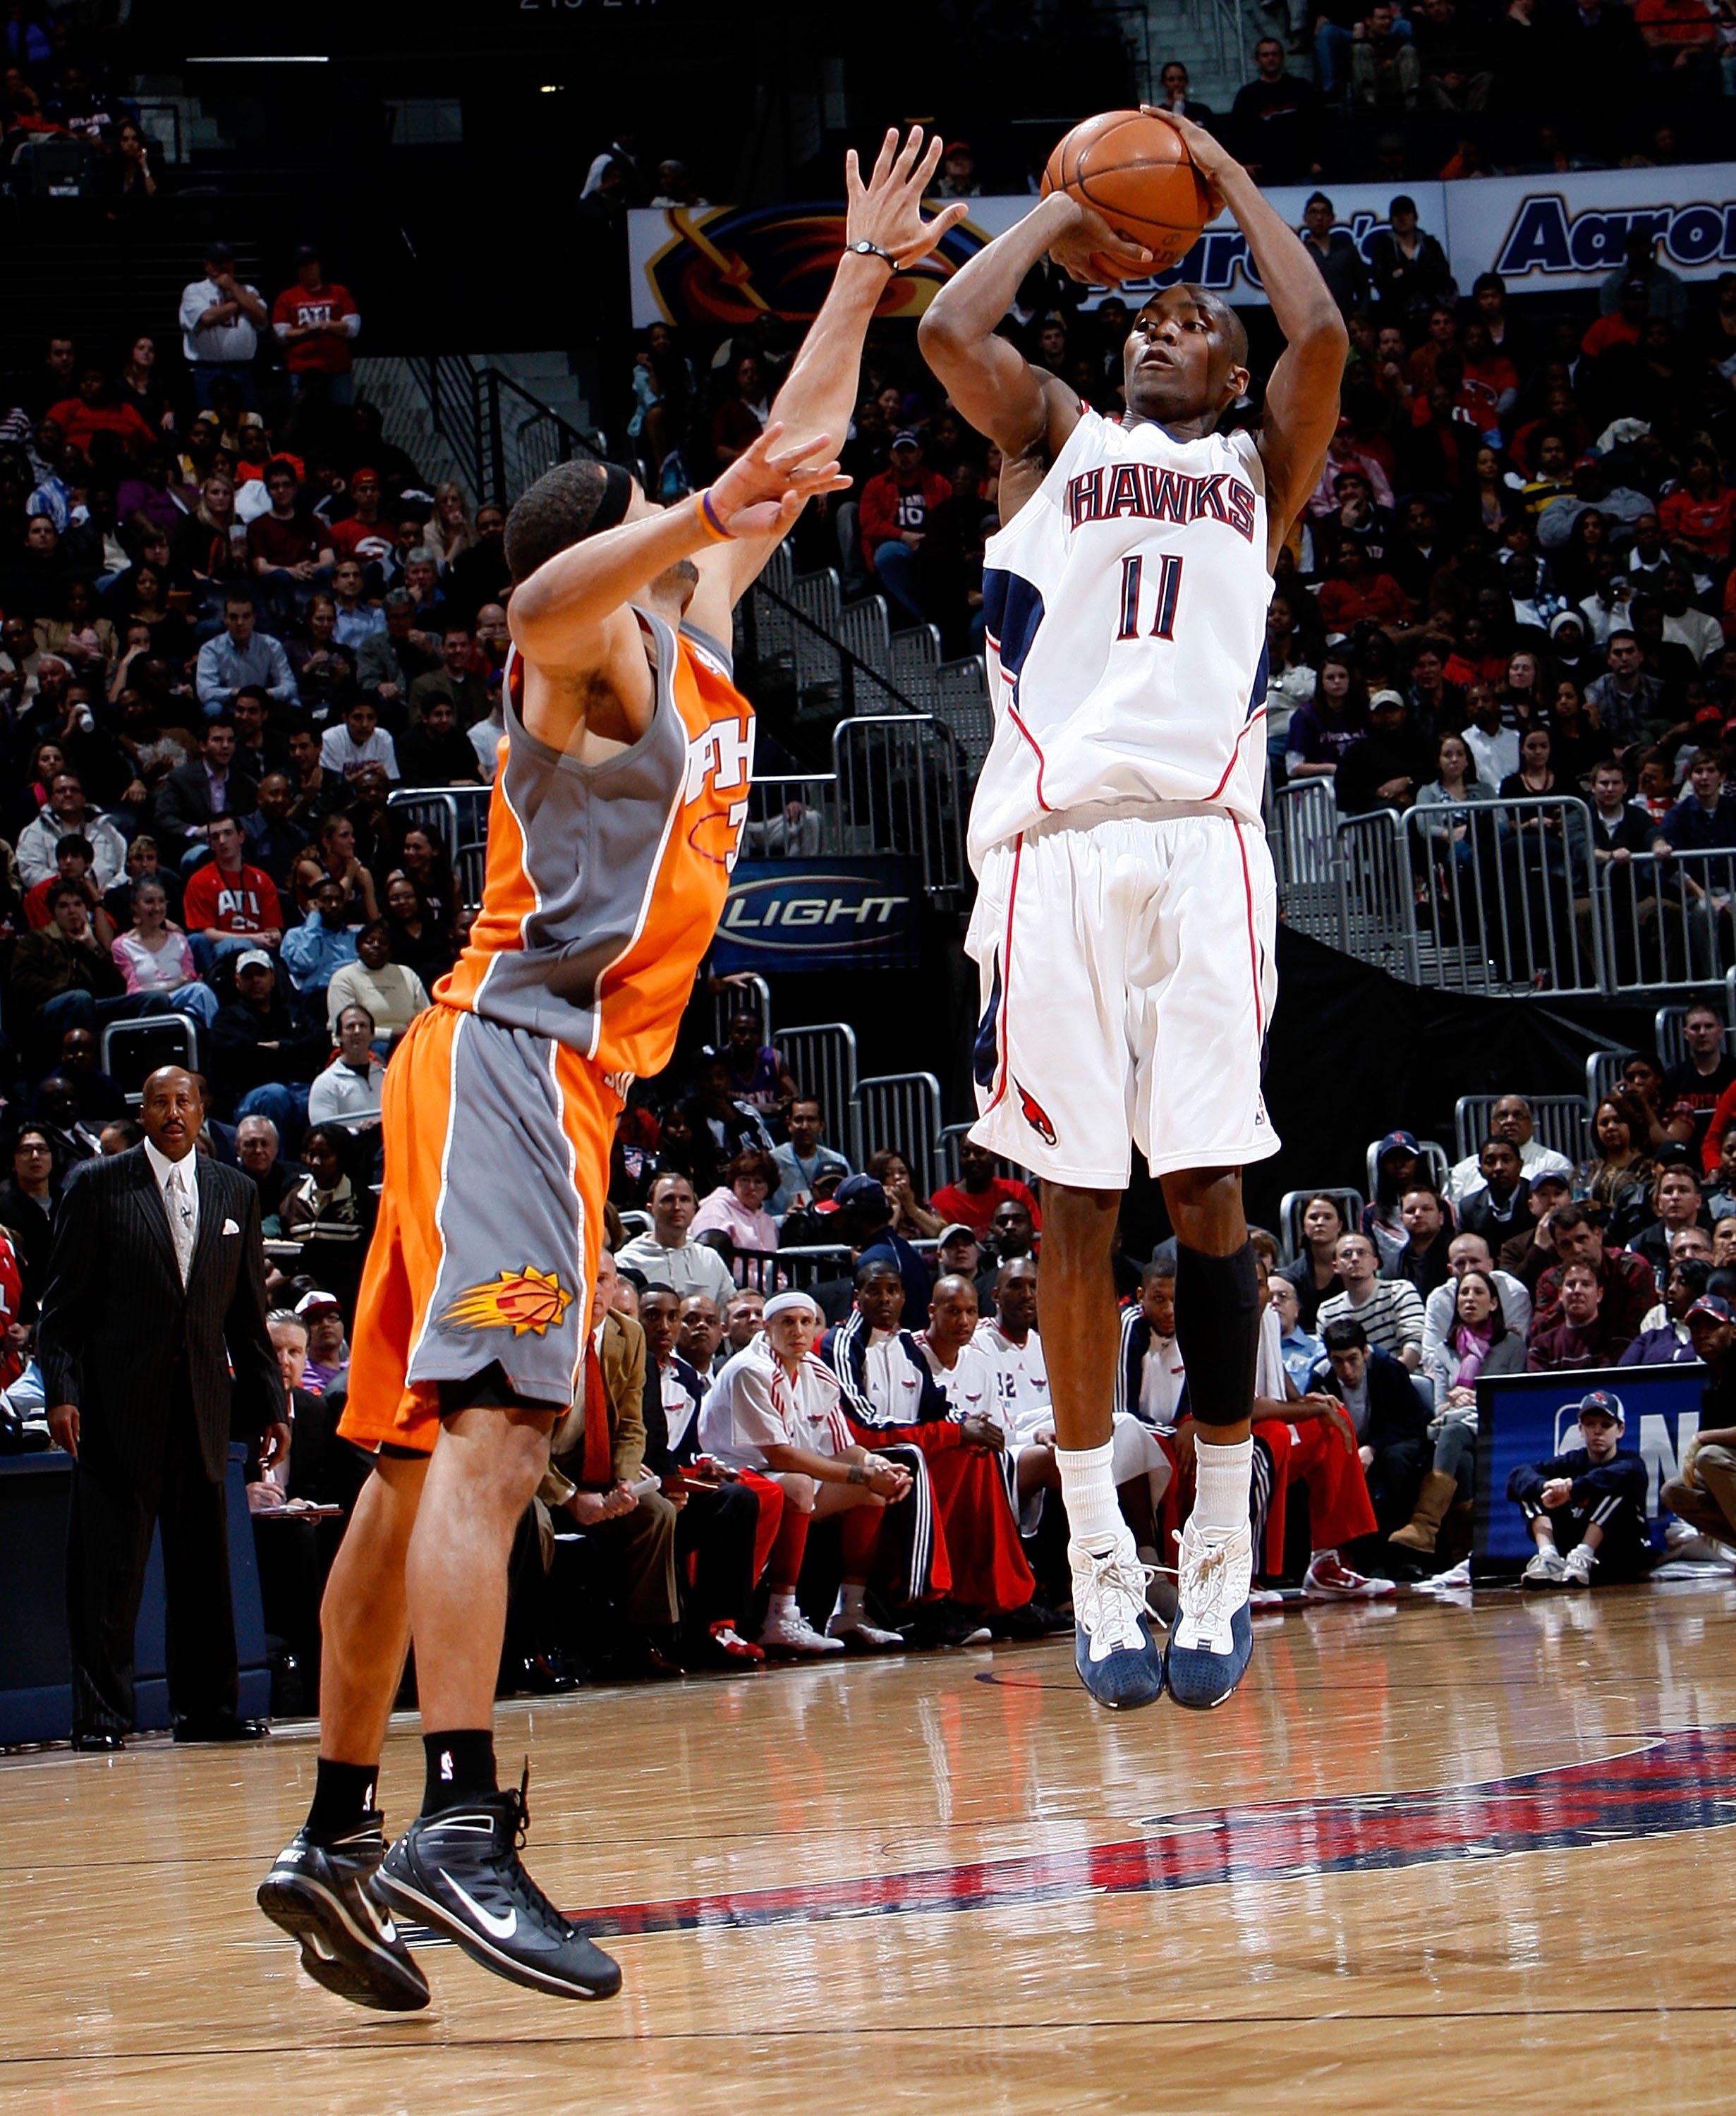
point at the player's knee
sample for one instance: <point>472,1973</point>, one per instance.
<point>799,1493</point>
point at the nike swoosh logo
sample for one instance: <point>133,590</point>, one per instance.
<point>502,1928</point>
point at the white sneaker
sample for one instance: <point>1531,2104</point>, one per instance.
<point>1109,1597</point>
<point>858,1635</point>
<point>1579,1566</point>
<point>1695,1547</point>
<point>1265,1598</point>
<point>788,1635</point>
<point>1545,1570</point>
<point>1114,1653</point>
<point>1329,1579</point>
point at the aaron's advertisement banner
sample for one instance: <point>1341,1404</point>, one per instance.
<point>722,266</point>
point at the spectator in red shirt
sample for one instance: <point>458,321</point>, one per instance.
<point>94,411</point>
<point>285,544</point>
<point>1681,40</point>
<point>972,1201</point>
<point>1702,511</point>
<point>1624,326</point>
<point>229,905</point>
<point>363,534</point>
<point>1355,596</point>
<point>74,858</point>
<point>895,512</point>
<point>316,322</point>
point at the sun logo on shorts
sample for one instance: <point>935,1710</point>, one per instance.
<point>518,1300</point>
<point>1035,1115</point>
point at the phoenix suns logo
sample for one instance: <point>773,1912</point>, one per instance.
<point>517,1300</point>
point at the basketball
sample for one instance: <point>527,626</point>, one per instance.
<point>1136,171</point>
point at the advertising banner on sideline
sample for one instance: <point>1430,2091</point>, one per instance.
<point>1528,1418</point>
<point>820,914</point>
<point>723,266</point>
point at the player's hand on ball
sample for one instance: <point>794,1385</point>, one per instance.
<point>764,489</point>
<point>1089,249</point>
<point>887,210</point>
<point>1210,157</point>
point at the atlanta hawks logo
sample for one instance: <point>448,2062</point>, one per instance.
<point>517,1300</point>
<point>1035,1115</point>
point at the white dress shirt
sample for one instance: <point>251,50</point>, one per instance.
<point>162,1167</point>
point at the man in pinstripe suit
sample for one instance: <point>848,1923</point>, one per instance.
<point>156,1291</point>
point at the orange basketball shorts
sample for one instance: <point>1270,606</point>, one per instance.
<point>496,1146</point>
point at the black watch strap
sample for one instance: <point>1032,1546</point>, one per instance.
<point>867,249</point>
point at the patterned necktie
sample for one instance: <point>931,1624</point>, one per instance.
<point>180,1210</point>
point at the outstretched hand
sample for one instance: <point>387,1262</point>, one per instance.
<point>763,490</point>
<point>887,210</point>
<point>1210,157</point>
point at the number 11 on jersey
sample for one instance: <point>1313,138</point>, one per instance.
<point>1169,588</point>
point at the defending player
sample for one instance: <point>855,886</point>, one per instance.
<point>614,821</point>
<point>1124,921</point>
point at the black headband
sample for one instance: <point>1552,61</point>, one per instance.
<point>611,509</point>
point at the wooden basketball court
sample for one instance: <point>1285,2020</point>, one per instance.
<point>1430,1858</point>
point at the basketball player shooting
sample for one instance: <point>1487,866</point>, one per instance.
<point>623,785</point>
<point>1123,920</point>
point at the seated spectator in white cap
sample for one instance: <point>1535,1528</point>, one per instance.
<point>776,1409</point>
<point>799,1160</point>
<point>1511,1120</point>
<point>347,1092</point>
<point>328,1353</point>
<point>1585,1508</point>
<point>978,1191</point>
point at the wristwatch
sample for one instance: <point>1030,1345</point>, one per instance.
<point>867,249</point>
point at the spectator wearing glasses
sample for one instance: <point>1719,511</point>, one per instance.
<point>737,1207</point>
<point>1510,1120</point>
<point>1389,1311</point>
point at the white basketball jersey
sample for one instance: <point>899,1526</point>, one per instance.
<point>1125,606</point>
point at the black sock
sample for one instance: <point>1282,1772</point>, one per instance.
<point>461,1767</point>
<point>344,1800</point>
<point>1217,1330</point>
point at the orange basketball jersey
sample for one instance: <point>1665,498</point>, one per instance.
<point>605,881</point>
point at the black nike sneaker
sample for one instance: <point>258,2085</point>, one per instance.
<point>459,1872</point>
<point>323,1896</point>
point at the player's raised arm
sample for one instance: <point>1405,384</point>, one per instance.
<point>1301,411</point>
<point>884,233</point>
<point>1023,410</point>
<point>569,616</point>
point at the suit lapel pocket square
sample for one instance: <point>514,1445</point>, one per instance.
<point>229,1228</point>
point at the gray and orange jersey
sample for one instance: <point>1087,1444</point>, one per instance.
<point>605,881</point>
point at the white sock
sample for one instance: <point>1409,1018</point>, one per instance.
<point>1221,1482</point>
<point>780,1605</point>
<point>1088,1493</point>
<point>850,1605</point>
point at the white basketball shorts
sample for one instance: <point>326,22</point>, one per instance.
<point>1127,981</point>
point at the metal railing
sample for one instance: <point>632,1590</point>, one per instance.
<point>503,437</point>
<point>900,790</point>
<point>822,1057</point>
<point>900,1112</point>
<point>458,814</point>
<point>1504,897</point>
<point>1291,1207</point>
<point>1302,823</point>
<point>801,625</point>
<point>1669,919</point>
